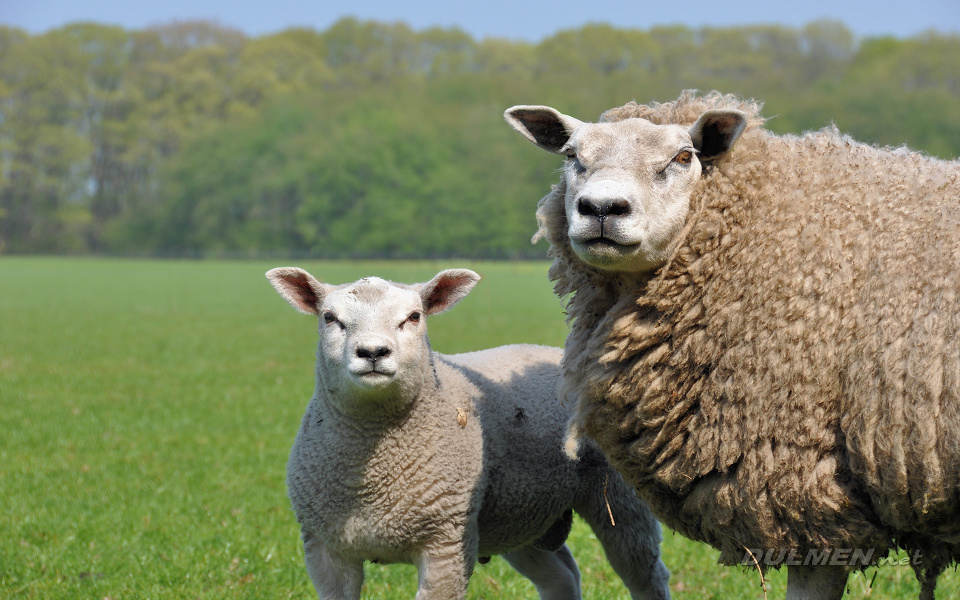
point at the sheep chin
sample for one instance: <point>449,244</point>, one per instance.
<point>611,256</point>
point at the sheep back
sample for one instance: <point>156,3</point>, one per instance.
<point>790,377</point>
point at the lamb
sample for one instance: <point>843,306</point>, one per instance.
<point>408,455</point>
<point>765,334</point>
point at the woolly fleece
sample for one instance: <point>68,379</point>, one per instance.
<point>790,377</point>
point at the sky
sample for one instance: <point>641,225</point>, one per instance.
<point>530,21</point>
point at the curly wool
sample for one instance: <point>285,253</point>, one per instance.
<point>790,378</point>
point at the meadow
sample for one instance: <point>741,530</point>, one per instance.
<point>146,412</point>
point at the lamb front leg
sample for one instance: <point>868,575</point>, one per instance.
<point>444,571</point>
<point>334,577</point>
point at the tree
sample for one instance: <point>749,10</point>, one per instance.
<point>191,137</point>
<point>44,152</point>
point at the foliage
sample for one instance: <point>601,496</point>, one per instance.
<point>146,423</point>
<point>353,176</point>
<point>372,139</point>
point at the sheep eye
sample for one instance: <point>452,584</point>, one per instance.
<point>414,317</point>
<point>329,318</point>
<point>684,158</point>
<point>575,161</point>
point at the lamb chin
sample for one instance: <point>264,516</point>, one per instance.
<point>373,380</point>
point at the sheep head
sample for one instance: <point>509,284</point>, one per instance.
<point>628,183</point>
<point>373,337</point>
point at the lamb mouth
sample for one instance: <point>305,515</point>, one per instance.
<point>374,374</point>
<point>377,372</point>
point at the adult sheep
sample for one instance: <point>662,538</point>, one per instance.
<point>764,336</point>
<point>408,455</point>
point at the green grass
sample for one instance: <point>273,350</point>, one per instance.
<point>146,411</point>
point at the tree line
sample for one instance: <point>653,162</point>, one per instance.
<point>372,139</point>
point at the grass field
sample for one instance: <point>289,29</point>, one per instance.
<point>146,411</point>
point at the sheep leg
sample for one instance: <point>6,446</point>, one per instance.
<point>815,582</point>
<point>631,541</point>
<point>444,572</point>
<point>334,577</point>
<point>554,574</point>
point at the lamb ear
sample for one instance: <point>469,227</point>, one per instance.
<point>716,131</point>
<point>446,289</point>
<point>299,288</point>
<point>544,126</point>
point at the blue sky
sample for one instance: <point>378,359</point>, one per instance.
<point>530,21</point>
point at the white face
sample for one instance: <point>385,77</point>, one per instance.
<point>628,183</point>
<point>372,339</point>
<point>628,190</point>
<point>373,333</point>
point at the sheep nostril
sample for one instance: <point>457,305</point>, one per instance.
<point>589,208</point>
<point>602,209</point>
<point>618,208</point>
<point>373,353</point>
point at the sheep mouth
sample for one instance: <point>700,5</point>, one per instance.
<point>374,375</point>
<point>603,244</point>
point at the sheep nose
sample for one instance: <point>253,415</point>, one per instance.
<point>603,208</point>
<point>372,352</point>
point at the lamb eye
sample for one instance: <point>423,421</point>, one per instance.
<point>414,317</point>
<point>684,158</point>
<point>329,318</point>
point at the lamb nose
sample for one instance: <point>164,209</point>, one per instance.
<point>602,209</point>
<point>373,353</point>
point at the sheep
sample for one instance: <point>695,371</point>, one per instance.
<point>407,455</point>
<point>765,331</point>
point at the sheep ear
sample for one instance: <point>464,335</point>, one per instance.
<point>542,125</point>
<point>299,288</point>
<point>446,289</point>
<point>716,131</point>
